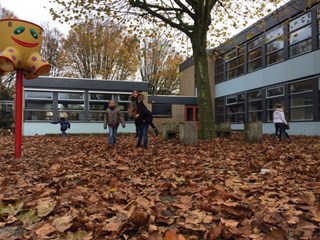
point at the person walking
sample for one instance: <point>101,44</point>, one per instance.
<point>112,119</point>
<point>140,107</point>
<point>64,124</point>
<point>142,124</point>
<point>279,121</point>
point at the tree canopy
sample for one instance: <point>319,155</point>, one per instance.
<point>159,66</point>
<point>95,49</point>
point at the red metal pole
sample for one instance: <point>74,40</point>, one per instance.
<point>18,115</point>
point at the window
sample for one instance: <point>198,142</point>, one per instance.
<point>318,16</point>
<point>273,95</point>
<point>255,54</point>
<point>301,100</point>
<point>274,45</point>
<point>219,110</point>
<point>123,105</point>
<point>235,108</point>
<point>100,96</point>
<point>73,104</point>
<point>300,35</point>
<point>255,106</point>
<point>38,95</point>
<point>235,62</point>
<point>162,109</point>
<point>38,106</point>
<point>219,70</point>
<point>98,103</point>
<point>38,116</point>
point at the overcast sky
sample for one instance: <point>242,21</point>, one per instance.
<point>33,11</point>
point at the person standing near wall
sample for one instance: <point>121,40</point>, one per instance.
<point>112,119</point>
<point>138,98</point>
<point>279,121</point>
<point>142,124</point>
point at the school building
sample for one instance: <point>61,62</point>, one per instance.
<point>276,60</point>
<point>85,101</point>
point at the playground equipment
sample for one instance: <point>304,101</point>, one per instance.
<point>20,45</point>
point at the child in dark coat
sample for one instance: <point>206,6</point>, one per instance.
<point>64,125</point>
<point>142,123</point>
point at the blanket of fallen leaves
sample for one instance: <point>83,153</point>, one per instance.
<point>221,189</point>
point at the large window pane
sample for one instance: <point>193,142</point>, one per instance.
<point>277,91</point>
<point>231,55</point>
<point>70,95</point>
<point>124,97</point>
<point>98,106</point>
<point>302,86</point>
<point>301,47</point>
<point>271,102</point>
<point>255,43</point>
<point>162,109</point>
<point>231,100</point>
<point>300,114</point>
<point>255,95</point>
<point>256,64</point>
<point>96,116</point>
<point>123,106</point>
<point>300,21</point>
<point>38,116</point>
<point>38,95</point>
<point>232,73</point>
<point>275,33</point>
<point>300,35</point>
<point>232,64</point>
<point>219,70</point>
<point>75,116</point>
<point>274,46</point>
<point>100,96</point>
<point>219,78</point>
<point>255,105</point>
<point>34,104</point>
<point>219,110</point>
<point>301,99</point>
<point>70,106</point>
<point>275,57</point>
<point>255,54</point>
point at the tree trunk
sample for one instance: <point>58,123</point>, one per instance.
<point>201,76</point>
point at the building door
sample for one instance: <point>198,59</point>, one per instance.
<point>192,114</point>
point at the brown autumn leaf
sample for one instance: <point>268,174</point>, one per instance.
<point>171,235</point>
<point>45,230</point>
<point>45,206</point>
<point>62,223</point>
<point>108,192</point>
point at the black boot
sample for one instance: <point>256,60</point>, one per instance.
<point>156,131</point>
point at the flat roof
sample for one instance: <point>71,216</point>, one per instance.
<point>85,84</point>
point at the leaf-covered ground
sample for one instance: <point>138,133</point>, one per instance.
<point>221,189</point>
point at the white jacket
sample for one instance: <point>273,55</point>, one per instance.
<point>278,116</point>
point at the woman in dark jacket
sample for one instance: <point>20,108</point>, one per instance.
<point>138,98</point>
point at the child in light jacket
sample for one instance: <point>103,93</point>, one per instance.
<point>279,121</point>
<point>112,119</point>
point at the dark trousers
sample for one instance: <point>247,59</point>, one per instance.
<point>280,131</point>
<point>143,133</point>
